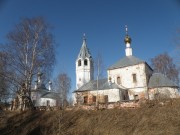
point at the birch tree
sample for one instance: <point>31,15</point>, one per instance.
<point>63,86</point>
<point>30,46</point>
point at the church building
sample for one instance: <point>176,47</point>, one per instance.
<point>41,96</point>
<point>128,79</point>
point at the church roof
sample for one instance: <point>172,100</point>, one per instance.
<point>41,86</point>
<point>40,90</point>
<point>126,61</point>
<point>51,95</point>
<point>159,80</point>
<point>45,93</point>
<point>102,85</point>
<point>84,52</point>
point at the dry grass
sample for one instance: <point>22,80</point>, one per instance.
<point>151,119</point>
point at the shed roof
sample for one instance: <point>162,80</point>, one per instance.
<point>159,80</point>
<point>126,61</point>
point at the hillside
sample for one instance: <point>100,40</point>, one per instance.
<point>150,119</point>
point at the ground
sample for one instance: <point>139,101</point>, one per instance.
<point>153,118</point>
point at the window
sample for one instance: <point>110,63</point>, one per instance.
<point>118,80</point>
<point>136,97</point>
<point>106,98</point>
<point>134,78</point>
<point>48,103</point>
<point>79,62</point>
<point>85,62</point>
<point>85,99</point>
<point>94,98</point>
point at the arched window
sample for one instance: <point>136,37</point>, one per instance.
<point>79,62</point>
<point>85,62</point>
<point>118,80</point>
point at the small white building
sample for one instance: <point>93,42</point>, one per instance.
<point>161,87</point>
<point>41,96</point>
<point>130,78</point>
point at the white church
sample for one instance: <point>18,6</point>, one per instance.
<point>128,79</point>
<point>42,96</point>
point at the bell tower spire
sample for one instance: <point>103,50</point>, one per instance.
<point>127,40</point>
<point>84,65</point>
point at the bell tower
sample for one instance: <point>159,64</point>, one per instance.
<point>84,65</point>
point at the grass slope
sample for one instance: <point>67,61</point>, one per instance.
<point>150,119</point>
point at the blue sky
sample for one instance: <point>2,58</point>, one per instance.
<point>152,26</point>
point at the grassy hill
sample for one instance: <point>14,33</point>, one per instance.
<point>151,119</point>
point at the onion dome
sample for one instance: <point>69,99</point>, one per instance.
<point>39,73</point>
<point>127,39</point>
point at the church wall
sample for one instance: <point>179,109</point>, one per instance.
<point>43,102</point>
<point>138,84</point>
<point>137,93</point>
<point>163,92</point>
<point>84,73</point>
<point>126,76</point>
<point>35,97</point>
<point>38,101</point>
<point>113,94</point>
<point>82,77</point>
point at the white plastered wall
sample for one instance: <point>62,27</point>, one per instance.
<point>126,77</point>
<point>113,94</point>
<point>43,102</point>
<point>164,92</point>
<point>84,73</point>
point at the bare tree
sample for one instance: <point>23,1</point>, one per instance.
<point>30,47</point>
<point>177,43</point>
<point>63,86</point>
<point>99,66</point>
<point>163,63</point>
<point>4,93</point>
